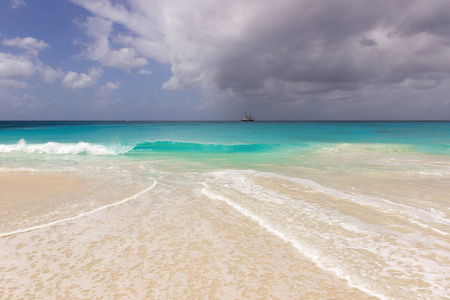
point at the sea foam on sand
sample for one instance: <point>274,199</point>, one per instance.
<point>167,242</point>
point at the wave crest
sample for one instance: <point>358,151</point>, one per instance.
<point>175,146</point>
<point>360,147</point>
<point>56,148</point>
<point>136,148</point>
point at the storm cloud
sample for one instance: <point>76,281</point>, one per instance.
<point>286,59</point>
<point>306,46</point>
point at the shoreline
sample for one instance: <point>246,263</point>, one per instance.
<point>164,243</point>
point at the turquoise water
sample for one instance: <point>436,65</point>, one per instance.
<point>376,193</point>
<point>434,134</point>
<point>129,138</point>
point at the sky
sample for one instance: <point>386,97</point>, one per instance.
<point>215,60</point>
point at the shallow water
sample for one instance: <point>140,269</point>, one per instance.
<point>288,210</point>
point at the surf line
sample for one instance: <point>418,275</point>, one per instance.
<point>303,250</point>
<point>82,214</point>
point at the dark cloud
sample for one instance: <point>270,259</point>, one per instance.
<point>366,42</point>
<point>427,17</point>
<point>289,50</point>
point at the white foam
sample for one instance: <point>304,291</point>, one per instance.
<point>80,215</point>
<point>57,148</point>
<point>431,174</point>
<point>307,251</point>
<point>432,228</point>
<point>21,169</point>
<point>411,214</point>
<point>301,222</point>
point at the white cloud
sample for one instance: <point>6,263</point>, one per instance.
<point>29,101</point>
<point>111,86</point>
<point>144,72</point>
<point>30,44</point>
<point>75,80</point>
<point>23,66</point>
<point>17,3</point>
<point>100,50</point>
<point>422,83</point>
<point>104,96</point>
<point>48,74</point>
<point>15,66</point>
<point>12,84</point>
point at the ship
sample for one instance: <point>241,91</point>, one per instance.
<point>248,118</point>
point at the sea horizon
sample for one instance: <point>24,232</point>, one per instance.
<point>224,120</point>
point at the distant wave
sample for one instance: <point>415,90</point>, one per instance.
<point>432,149</point>
<point>177,146</point>
<point>366,147</point>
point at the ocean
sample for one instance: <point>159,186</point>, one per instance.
<point>225,210</point>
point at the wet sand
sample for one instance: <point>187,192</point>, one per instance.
<point>30,195</point>
<point>169,242</point>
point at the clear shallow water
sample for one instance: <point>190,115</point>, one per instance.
<point>367,201</point>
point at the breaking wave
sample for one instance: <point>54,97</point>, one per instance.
<point>144,147</point>
<point>56,148</point>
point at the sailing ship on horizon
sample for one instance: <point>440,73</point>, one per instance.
<point>247,118</point>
